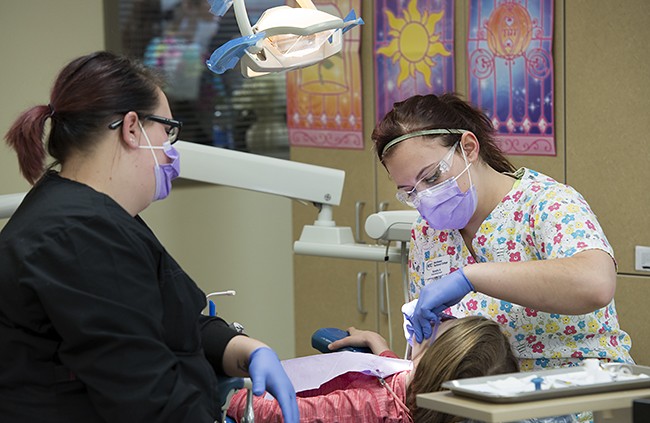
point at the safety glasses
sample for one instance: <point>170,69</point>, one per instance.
<point>172,127</point>
<point>432,177</point>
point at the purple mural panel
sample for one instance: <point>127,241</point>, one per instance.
<point>510,66</point>
<point>414,50</point>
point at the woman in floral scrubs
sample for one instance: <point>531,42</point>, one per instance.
<point>512,245</point>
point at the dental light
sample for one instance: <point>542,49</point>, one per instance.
<point>284,38</point>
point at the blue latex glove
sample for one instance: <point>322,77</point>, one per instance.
<point>435,298</point>
<point>267,374</point>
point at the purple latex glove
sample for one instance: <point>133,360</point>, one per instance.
<point>435,298</point>
<point>267,374</point>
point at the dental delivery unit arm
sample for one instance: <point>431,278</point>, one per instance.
<point>308,183</point>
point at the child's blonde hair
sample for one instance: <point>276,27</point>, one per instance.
<point>473,346</point>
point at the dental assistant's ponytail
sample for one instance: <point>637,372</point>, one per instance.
<point>26,137</point>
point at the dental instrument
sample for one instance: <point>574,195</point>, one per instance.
<point>212,309</point>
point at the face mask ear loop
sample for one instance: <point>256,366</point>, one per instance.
<point>148,142</point>
<point>469,171</point>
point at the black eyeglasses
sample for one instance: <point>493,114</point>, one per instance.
<point>173,126</point>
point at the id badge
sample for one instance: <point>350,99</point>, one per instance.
<point>437,267</point>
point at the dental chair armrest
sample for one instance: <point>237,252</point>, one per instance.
<point>325,336</point>
<point>226,388</point>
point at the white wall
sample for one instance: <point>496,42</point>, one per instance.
<point>224,238</point>
<point>228,238</point>
<point>35,44</point>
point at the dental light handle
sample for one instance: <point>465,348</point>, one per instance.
<point>310,30</point>
<point>227,56</point>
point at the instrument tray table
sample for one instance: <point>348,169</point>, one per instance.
<point>476,387</point>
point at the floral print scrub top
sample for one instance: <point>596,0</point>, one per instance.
<point>538,219</point>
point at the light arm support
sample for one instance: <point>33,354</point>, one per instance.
<point>386,226</point>
<point>299,181</point>
<point>241,15</point>
<point>306,4</point>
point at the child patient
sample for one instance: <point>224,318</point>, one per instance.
<point>467,347</point>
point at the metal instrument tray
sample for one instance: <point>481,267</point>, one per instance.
<point>467,387</point>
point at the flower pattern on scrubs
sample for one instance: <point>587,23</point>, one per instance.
<point>538,219</point>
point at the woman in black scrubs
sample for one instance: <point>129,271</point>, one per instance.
<point>98,323</point>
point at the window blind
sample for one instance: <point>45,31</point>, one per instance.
<point>229,111</point>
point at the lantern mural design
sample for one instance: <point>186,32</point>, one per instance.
<point>510,64</point>
<point>509,31</point>
<point>324,106</point>
<point>414,44</point>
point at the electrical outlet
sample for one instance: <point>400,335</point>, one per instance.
<point>642,261</point>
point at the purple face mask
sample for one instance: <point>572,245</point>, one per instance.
<point>445,206</point>
<point>164,173</point>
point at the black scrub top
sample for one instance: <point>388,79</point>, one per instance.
<point>98,323</point>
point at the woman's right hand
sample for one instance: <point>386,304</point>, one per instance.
<point>361,338</point>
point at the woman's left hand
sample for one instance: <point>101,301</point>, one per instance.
<point>435,298</point>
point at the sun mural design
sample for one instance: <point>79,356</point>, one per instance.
<point>415,43</point>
